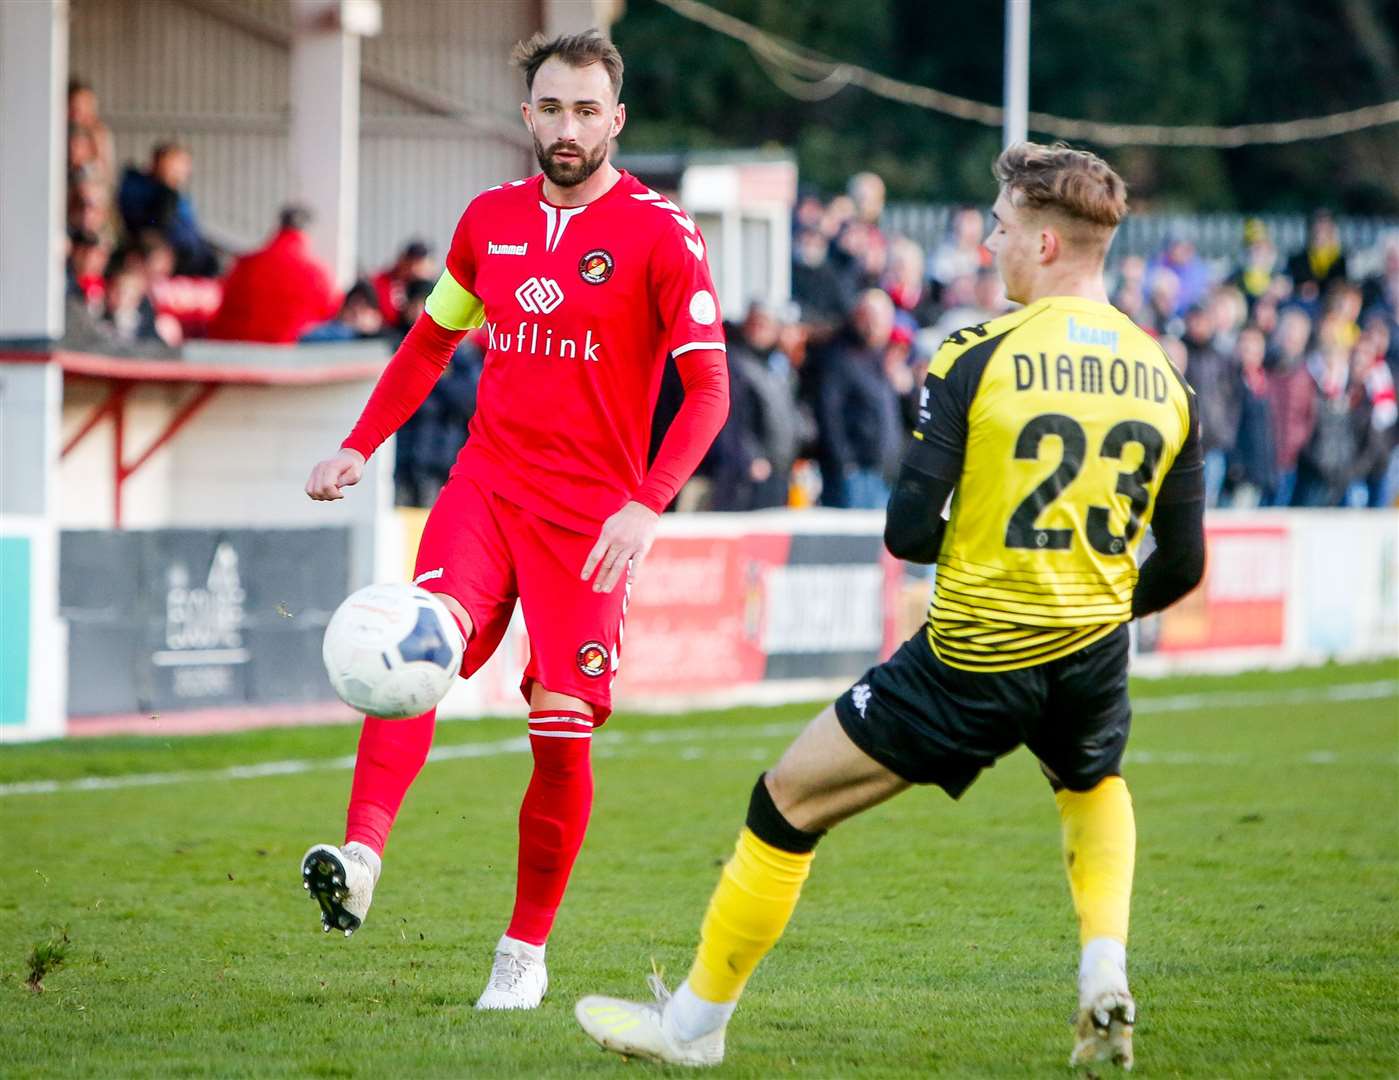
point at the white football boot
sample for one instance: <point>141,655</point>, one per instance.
<point>341,880</point>
<point>639,1029</point>
<point>1106,1012</point>
<point>518,977</point>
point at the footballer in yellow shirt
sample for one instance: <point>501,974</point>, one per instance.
<point>1059,433</point>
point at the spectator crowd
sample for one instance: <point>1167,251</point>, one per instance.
<point>1293,356</point>
<point>144,277</point>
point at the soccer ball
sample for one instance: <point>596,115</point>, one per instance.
<point>392,651</point>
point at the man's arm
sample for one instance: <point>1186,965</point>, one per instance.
<point>405,384</point>
<point>402,388</point>
<point>627,536</point>
<point>932,465</point>
<point>450,311</point>
<point>683,293</point>
<point>914,526</point>
<point>1178,524</point>
<point>416,366</point>
<point>1178,563</point>
<point>705,376</point>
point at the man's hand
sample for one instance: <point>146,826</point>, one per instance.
<point>626,537</point>
<point>332,474</point>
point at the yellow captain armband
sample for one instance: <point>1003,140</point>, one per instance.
<point>452,307</point>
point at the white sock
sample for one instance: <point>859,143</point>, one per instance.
<point>368,854</point>
<point>1103,963</point>
<point>519,948</point>
<point>688,1016</point>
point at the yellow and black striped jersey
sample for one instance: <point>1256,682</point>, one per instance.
<point>1062,426</point>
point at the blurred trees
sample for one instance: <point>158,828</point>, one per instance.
<point>1131,61</point>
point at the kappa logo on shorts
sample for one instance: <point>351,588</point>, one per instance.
<point>596,266</point>
<point>860,697</point>
<point>592,659</point>
<point>539,296</point>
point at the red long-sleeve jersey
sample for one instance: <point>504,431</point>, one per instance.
<point>581,306</point>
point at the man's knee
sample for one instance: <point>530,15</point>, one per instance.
<point>541,699</point>
<point>1081,780</point>
<point>770,825</point>
<point>793,791</point>
<point>779,790</point>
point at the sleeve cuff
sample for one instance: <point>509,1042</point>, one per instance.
<point>692,346</point>
<point>653,500</point>
<point>357,446</point>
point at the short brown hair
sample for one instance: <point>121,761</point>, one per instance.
<point>575,50</point>
<point>1077,184</point>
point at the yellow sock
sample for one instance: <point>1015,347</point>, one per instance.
<point>1100,850</point>
<point>756,895</point>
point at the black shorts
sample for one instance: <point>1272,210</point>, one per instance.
<point>931,723</point>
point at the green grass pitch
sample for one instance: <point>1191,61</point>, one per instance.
<point>934,939</point>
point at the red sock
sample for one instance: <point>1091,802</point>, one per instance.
<point>553,819</point>
<point>391,752</point>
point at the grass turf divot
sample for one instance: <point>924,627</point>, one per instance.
<point>45,957</point>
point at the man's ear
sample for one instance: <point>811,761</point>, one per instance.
<point>619,119</point>
<point>1050,244</point>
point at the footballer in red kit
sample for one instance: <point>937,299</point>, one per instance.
<point>584,281</point>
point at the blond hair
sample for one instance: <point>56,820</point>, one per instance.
<point>1077,186</point>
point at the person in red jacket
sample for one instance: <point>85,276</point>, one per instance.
<point>414,263</point>
<point>279,292</point>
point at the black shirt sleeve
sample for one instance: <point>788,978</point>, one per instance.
<point>1185,482</point>
<point>1178,563</point>
<point>940,439</point>
<point>914,525</point>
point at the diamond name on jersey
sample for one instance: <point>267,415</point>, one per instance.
<point>1090,375</point>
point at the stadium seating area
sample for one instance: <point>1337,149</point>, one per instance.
<point>1294,355</point>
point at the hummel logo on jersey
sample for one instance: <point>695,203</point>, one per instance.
<point>860,697</point>
<point>506,249</point>
<point>539,296</point>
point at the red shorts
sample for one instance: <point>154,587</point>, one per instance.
<point>486,552</point>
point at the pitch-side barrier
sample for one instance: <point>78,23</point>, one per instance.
<point>792,605</point>
<point>178,630</point>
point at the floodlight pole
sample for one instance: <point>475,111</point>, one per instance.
<point>1017,71</point>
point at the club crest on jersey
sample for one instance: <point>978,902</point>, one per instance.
<point>592,659</point>
<point>596,266</point>
<point>539,296</point>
